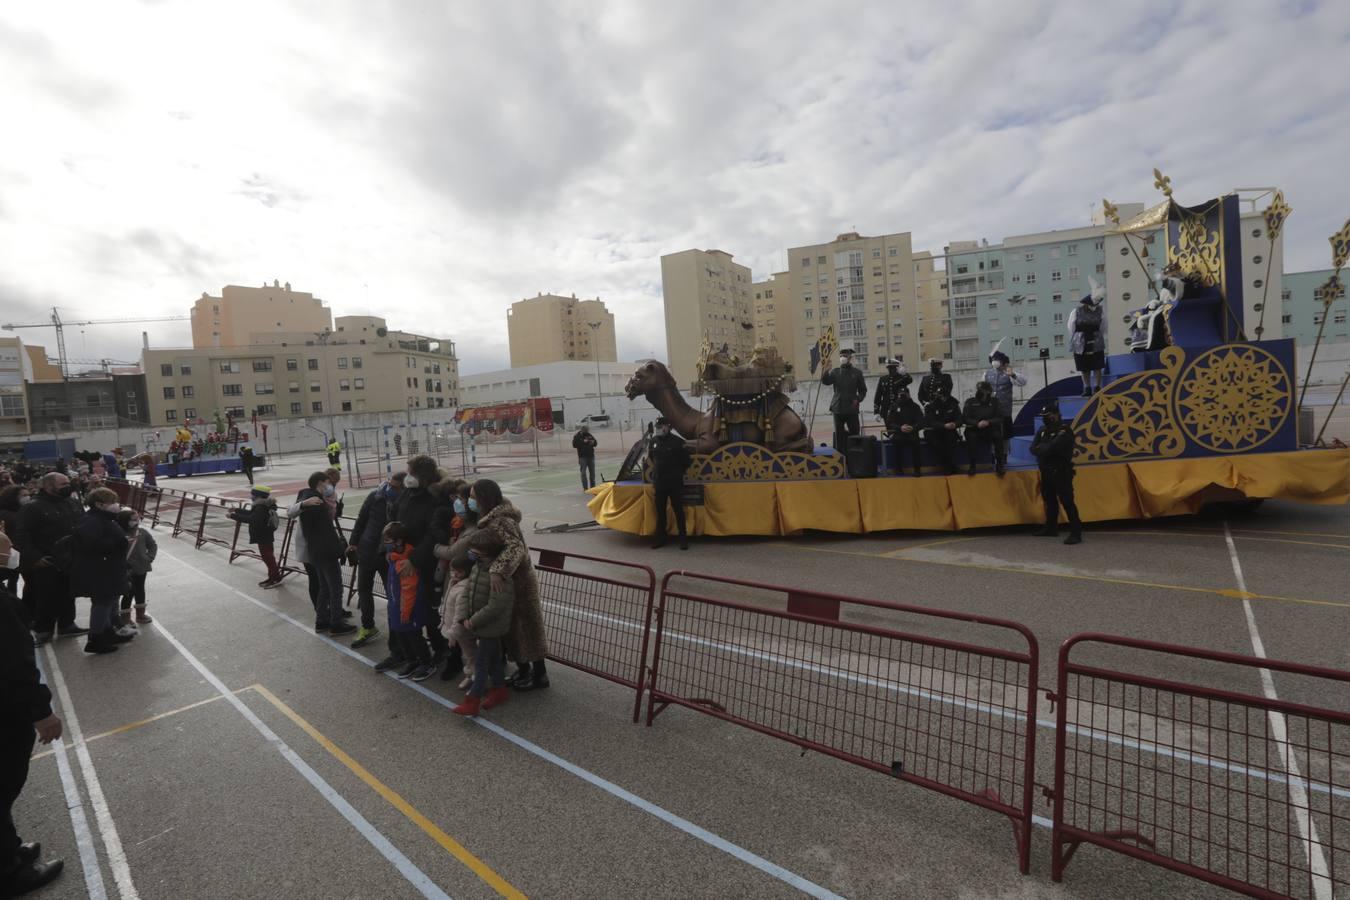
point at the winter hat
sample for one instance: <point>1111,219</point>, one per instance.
<point>261,490</point>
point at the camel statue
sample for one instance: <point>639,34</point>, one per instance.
<point>702,430</point>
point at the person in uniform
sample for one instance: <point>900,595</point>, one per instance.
<point>1003,379</point>
<point>334,450</point>
<point>889,387</point>
<point>942,415</point>
<point>1053,448</point>
<point>850,389</point>
<point>670,458</point>
<point>984,427</point>
<point>1087,339</point>
<point>904,421</point>
<point>928,386</point>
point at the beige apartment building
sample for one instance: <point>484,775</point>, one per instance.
<point>295,363</point>
<point>550,328</point>
<point>775,321</point>
<point>930,297</point>
<point>864,287</point>
<point>707,297</point>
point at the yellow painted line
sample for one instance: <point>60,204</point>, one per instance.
<point>137,724</point>
<point>899,554</point>
<point>457,850</point>
<point>1237,535</point>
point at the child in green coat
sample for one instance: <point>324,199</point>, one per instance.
<point>488,620</point>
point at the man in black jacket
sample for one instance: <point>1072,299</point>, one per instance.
<point>942,415</point>
<point>324,549</point>
<point>984,427</point>
<point>670,458</point>
<point>416,511</point>
<point>1053,448</point>
<point>889,387</point>
<point>42,523</point>
<point>584,443</point>
<point>904,420</point>
<point>850,389</point>
<point>25,715</point>
<point>928,387</point>
<point>367,543</point>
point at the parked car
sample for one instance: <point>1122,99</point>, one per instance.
<point>599,420</point>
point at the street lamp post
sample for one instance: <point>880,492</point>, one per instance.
<point>323,337</point>
<point>595,352</point>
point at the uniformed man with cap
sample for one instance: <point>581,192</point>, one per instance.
<point>1053,448</point>
<point>928,387</point>
<point>984,427</point>
<point>889,387</point>
<point>670,458</point>
<point>942,415</point>
<point>850,389</point>
<point>904,421</point>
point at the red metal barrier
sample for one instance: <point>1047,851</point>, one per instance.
<point>598,615</point>
<point>215,526</point>
<point>950,715</point>
<point>1234,788</point>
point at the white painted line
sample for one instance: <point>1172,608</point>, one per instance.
<point>415,876</point>
<point>713,840</point>
<point>112,842</point>
<point>1298,790</point>
<point>84,840</point>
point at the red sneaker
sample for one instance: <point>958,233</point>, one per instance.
<point>469,707</point>
<point>496,697</point>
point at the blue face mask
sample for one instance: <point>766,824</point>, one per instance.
<point>459,506</point>
<point>390,547</point>
<point>328,490</point>
<point>473,505</point>
<point>473,556</point>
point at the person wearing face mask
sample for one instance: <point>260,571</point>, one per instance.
<point>584,443</point>
<point>416,511</point>
<point>13,497</point>
<point>984,427</point>
<point>850,389</point>
<point>43,522</point>
<point>99,569</point>
<point>323,550</point>
<point>366,543</point>
<point>140,559</point>
<point>904,421</point>
<point>930,383</point>
<point>262,520</point>
<point>1003,379</point>
<point>942,415</point>
<point>1053,448</point>
<point>670,458</point>
<point>889,387</point>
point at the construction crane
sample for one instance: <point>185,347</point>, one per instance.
<point>60,326</point>
<point>105,364</point>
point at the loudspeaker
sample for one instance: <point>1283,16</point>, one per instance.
<point>861,456</point>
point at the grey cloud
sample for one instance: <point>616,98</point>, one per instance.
<point>35,56</point>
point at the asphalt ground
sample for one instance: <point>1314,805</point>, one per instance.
<point>233,753</point>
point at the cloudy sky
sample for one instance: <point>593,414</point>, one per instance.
<point>432,162</point>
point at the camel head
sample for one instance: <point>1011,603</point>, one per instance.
<point>650,376</point>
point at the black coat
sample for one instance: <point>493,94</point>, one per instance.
<point>100,555</point>
<point>975,411</point>
<point>322,541</point>
<point>928,387</point>
<point>368,531</point>
<point>42,523</point>
<point>258,518</point>
<point>23,696</point>
<point>888,391</point>
<point>670,458</point>
<point>584,443</point>
<point>850,389</point>
<point>1053,447</point>
<point>416,511</point>
<point>905,412</point>
<point>942,410</point>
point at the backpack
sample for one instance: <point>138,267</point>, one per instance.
<point>273,520</point>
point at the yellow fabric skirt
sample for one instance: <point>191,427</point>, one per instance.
<point>1110,491</point>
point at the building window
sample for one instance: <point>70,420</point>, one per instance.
<point>185,370</point>
<point>346,406</point>
<point>1056,298</point>
<point>993,304</point>
<point>313,364</point>
<point>267,409</point>
<point>806,262</point>
<point>171,415</point>
<point>1073,273</point>
<point>292,365</point>
<point>314,387</point>
<point>1059,318</point>
<point>1031,320</point>
<point>892,251</point>
<point>263,388</point>
<point>1098,245</point>
<point>295,409</point>
<point>1033,343</point>
<point>342,362</point>
<point>1101,267</point>
<point>1017,342</point>
<point>1031,278</point>
<point>190,412</point>
<point>229,368</point>
<point>1124,273</point>
<point>1017,278</point>
<point>1338,318</point>
<point>169,393</point>
<point>876,253</point>
<point>1286,319</point>
<point>316,406</point>
<point>294,387</point>
<point>344,385</point>
<point>1055,275</point>
<point>360,384</point>
<point>820,260</point>
<point>1124,251</point>
<point>166,370</point>
<point>232,390</point>
<point>1029,256</point>
<point>262,365</point>
<point>1073,249</point>
<point>1257,283</point>
<point>356,362</point>
<point>189,391</point>
<point>234,412</point>
<point>994,263</point>
<point>1059,340</point>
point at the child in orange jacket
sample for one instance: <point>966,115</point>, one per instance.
<point>408,607</point>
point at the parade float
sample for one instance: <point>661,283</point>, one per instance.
<point>1200,409</point>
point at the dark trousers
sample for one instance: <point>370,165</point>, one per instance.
<point>981,442</point>
<point>488,667</point>
<point>1057,491</point>
<point>365,590</point>
<point>248,473</point>
<point>16,747</point>
<point>672,493</point>
<point>326,592</point>
<point>411,646</point>
<point>270,560</point>
<point>906,443</point>
<point>135,590</point>
<point>54,603</point>
<point>845,424</point>
<point>426,582</point>
<point>943,442</point>
<point>587,466</point>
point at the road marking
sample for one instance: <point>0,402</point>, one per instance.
<point>84,840</point>
<point>896,554</point>
<point>132,725</point>
<point>112,842</point>
<point>457,850</point>
<point>1210,534</point>
<point>713,840</point>
<point>415,876</point>
<point>1298,794</point>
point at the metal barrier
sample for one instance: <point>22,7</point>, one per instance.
<point>189,513</point>
<point>215,525</point>
<point>952,716</point>
<point>1237,789</point>
<point>598,623</point>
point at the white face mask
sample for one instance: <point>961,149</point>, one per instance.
<point>110,507</point>
<point>411,481</point>
<point>13,561</point>
<point>133,525</point>
<point>25,500</point>
<point>998,364</point>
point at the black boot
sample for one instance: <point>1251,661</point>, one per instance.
<point>101,643</point>
<point>1047,531</point>
<point>1075,536</point>
<point>30,876</point>
<point>535,678</point>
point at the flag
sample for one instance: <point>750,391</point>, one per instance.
<point>823,351</point>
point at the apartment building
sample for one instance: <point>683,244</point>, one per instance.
<point>245,315</point>
<point>707,296</point>
<point>776,324</point>
<point>14,373</point>
<point>89,401</point>
<point>933,306</point>
<point>1301,309</point>
<point>550,328</point>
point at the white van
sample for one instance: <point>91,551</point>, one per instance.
<point>599,420</point>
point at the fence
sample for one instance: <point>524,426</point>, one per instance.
<point>598,623</point>
<point>948,715</point>
<point>1232,788</point>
